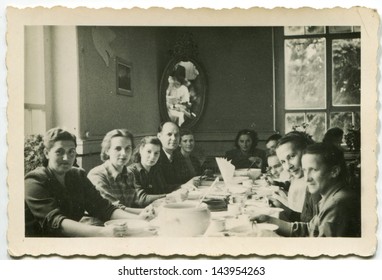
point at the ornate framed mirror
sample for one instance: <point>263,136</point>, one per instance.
<point>182,93</point>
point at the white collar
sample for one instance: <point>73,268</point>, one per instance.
<point>168,155</point>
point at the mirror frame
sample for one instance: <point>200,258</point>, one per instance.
<point>202,88</point>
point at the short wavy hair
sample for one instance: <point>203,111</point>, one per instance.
<point>144,141</point>
<point>251,133</point>
<point>274,137</point>
<point>106,142</point>
<point>185,131</point>
<point>333,134</point>
<point>331,156</point>
<point>53,135</point>
<point>299,139</point>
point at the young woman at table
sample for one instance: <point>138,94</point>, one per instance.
<point>246,154</point>
<point>339,208</point>
<point>189,164</point>
<point>149,179</point>
<point>112,179</point>
<point>298,203</point>
<point>58,194</point>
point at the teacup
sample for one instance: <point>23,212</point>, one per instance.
<point>234,208</point>
<point>217,224</point>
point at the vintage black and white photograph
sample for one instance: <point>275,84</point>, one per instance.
<point>241,138</point>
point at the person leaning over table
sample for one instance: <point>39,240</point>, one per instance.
<point>298,203</point>
<point>148,177</point>
<point>189,165</point>
<point>112,179</point>
<point>246,154</point>
<point>339,207</point>
<point>58,194</point>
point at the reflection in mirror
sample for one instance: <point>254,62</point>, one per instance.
<point>180,93</point>
<point>184,86</point>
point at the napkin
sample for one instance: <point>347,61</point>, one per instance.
<point>226,168</point>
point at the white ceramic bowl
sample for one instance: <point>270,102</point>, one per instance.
<point>184,219</point>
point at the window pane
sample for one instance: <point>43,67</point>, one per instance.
<point>346,72</point>
<point>294,30</point>
<point>34,122</point>
<point>340,29</point>
<point>316,125</point>
<point>305,70</point>
<point>343,120</point>
<point>357,120</point>
<point>314,29</point>
<point>293,119</point>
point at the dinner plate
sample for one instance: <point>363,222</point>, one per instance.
<point>237,189</point>
<point>270,211</point>
<point>266,226</point>
<point>244,229</point>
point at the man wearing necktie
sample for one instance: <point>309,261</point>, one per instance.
<point>168,162</point>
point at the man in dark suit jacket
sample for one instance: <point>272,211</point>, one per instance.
<point>168,161</point>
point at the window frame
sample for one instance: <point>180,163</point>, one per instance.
<point>279,52</point>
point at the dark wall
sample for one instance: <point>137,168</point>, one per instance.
<point>238,62</point>
<point>239,67</point>
<point>102,109</point>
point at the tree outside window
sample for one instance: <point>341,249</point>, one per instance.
<point>321,74</point>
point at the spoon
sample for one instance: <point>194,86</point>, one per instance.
<point>249,168</point>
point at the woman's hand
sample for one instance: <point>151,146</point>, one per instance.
<point>114,230</point>
<point>191,185</point>
<point>259,218</point>
<point>148,213</point>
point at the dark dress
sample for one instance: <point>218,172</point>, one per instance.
<point>48,202</point>
<point>240,160</point>
<point>152,182</point>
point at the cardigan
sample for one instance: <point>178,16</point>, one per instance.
<point>48,202</point>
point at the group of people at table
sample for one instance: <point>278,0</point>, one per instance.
<point>64,200</point>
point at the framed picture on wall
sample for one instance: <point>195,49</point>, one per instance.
<point>123,77</point>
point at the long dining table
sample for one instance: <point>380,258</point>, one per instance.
<point>229,206</point>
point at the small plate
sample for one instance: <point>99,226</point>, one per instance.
<point>245,229</point>
<point>266,226</point>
